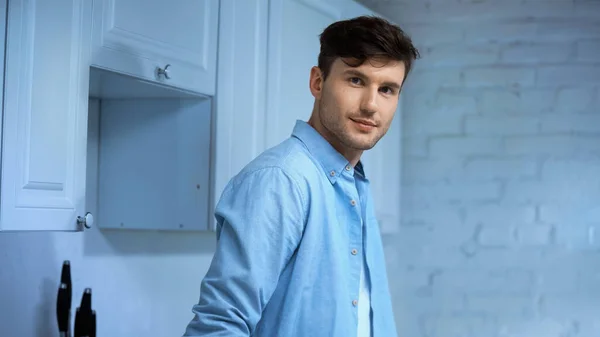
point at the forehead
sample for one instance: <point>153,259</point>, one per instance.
<point>380,70</point>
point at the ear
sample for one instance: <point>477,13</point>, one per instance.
<point>316,82</point>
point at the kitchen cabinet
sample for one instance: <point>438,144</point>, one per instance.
<point>148,162</point>
<point>44,130</point>
<point>240,102</point>
<point>169,42</point>
<point>293,48</point>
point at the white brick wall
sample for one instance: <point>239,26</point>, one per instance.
<point>501,216</point>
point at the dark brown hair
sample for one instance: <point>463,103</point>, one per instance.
<point>359,39</point>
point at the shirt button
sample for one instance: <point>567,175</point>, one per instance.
<point>354,303</point>
<point>354,251</point>
<point>348,167</point>
<point>332,173</point>
<point>353,202</point>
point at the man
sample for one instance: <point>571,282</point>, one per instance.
<point>299,252</point>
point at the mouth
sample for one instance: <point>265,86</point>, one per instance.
<point>364,124</point>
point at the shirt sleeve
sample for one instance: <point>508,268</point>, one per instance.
<point>260,218</point>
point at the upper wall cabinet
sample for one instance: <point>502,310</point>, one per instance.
<point>170,42</point>
<point>44,126</point>
<point>293,48</point>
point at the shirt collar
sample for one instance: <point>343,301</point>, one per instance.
<point>332,162</point>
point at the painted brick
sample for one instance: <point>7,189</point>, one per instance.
<point>500,259</point>
<point>439,103</point>
<point>415,146</point>
<point>575,99</point>
<point>571,123</point>
<point>568,30</point>
<point>577,215</point>
<point>495,32</point>
<point>433,170</point>
<point>544,326</point>
<point>464,146</point>
<point>502,305</point>
<point>588,50</point>
<point>560,191</point>
<point>413,279</point>
<point>461,324</point>
<point>570,306</point>
<point>501,215</point>
<point>425,78</point>
<point>452,101</point>
<point>501,125</point>
<point>483,169</point>
<point>456,54</point>
<point>528,101</point>
<point>445,233</point>
<point>578,238</point>
<point>451,193</point>
<point>587,9</point>
<point>434,124</point>
<point>417,100</point>
<point>425,35</point>
<point>495,236</point>
<point>481,11</point>
<point>584,169</point>
<point>549,281</point>
<point>499,77</point>
<point>437,256</point>
<point>569,75</point>
<point>536,53</point>
<point>552,145</point>
<point>480,282</point>
<point>534,235</point>
<point>446,303</point>
<point>447,216</point>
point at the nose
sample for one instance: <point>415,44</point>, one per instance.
<point>369,101</point>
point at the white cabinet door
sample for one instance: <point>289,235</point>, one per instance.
<point>139,38</point>
<point>45,115</point>
<point>294,28</point>
<point>240,102</point>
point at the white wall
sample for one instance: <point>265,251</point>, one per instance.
<point>501,216</point>
<point>153,280</point>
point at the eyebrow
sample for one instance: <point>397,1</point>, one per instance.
<point>361,74</point>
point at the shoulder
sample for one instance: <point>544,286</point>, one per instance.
<point>281,172</point>
<point>288,160</point>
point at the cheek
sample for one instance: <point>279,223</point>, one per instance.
<point>348,101</point>
<point>387,114</point>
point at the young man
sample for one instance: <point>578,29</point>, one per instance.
<point>299,252</point>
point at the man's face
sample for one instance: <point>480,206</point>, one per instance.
<point>355,106</point>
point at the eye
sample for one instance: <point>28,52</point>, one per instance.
<point>388,90</point>
<point>355,80</point>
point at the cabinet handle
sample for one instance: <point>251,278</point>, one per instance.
<point>164,71</point>
<point>86,221</point>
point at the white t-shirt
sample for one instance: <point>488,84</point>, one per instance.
<point>364,304</point>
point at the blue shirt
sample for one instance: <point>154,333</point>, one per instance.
<point>290,248</point>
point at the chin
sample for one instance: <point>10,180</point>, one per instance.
<point>360,143</point>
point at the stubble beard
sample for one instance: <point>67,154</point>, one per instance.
<point>337,132</point>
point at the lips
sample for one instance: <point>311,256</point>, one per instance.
<point>364,122</point>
